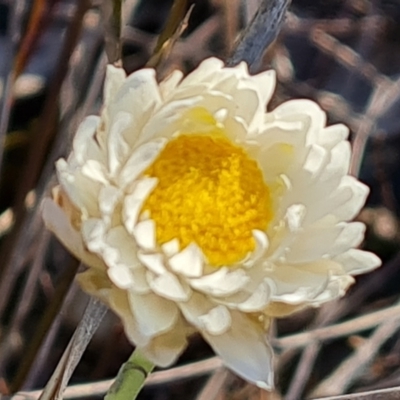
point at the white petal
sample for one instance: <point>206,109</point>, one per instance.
<point>195,307</point>
<point>358,262</point>
<point>108,199</point>
<point>313,118</point>
<point>115,78</point>
<point>356,193</point>
<point>56,221</point>
<point>168,285</point>
<point>163,350</point>
<point>164,122</point>
<point>133,203</point>
<point>141,159</point>
<point>295,285</point>
<point>141,285</point>
<point>313,243</point>
<point>202,73</point>
<point>339,163</point>
<point>119,240</point>
<point>169,84</point>
<point>315,160</point>
<point>189,262</point>
<point>262,244</point>
<point>221,115</point>
<point>119,303</point>
<point>82,191</point>
<point>96,171</point>
<point>171,248</point>
<point>351,236</point>
<point>244,349</point>
<point>223,282</point>
<point>84,144</point>
<point>294,216</point>
<point>118,149</point>
<point>336,287</point>
<point>332,135</point>
<point>258,300</point>
<point>145,234</point>
<point>140,90</point>
<point>217,321</point>
<point>121,276</point>
<point>265,81</point>
<point>154,262</point>
<point>154,315</point>
<point>94,232</point>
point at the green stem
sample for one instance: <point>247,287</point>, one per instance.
<point>130,378</point>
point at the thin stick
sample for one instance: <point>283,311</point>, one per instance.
<point>189,371</point>
<point>44,325</point>
<point>354,325</point>
<point>383,394</point>
<point>353,367</point>
<point>13,36</point>
<point>303,372</point>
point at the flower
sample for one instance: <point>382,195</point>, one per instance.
<point>194,209</point>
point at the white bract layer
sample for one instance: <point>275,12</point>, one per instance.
<point>164,290</point>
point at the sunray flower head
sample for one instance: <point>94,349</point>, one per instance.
<point>197,210</point>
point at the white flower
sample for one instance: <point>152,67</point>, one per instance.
<point>194,209</point>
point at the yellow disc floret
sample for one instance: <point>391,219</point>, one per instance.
<point>211,193</point>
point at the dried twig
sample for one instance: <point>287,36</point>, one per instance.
<point>352,368</point>
<point>343,329</point>
<point>383,394</point>
<point>191,371</point>
<point>112,20</point>
<point>13,36</point>
<point>262,31</point>
<point>303,372</point>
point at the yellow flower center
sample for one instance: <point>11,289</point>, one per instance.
<point>209,192</point>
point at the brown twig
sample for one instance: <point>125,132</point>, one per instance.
<point>352,367</point>
<point>13,36</point>
<point>44,136</point>
<point>44,325</point>
<point>189,371</point>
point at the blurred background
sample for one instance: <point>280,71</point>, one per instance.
<point>344,54</point>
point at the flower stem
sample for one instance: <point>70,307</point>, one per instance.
<point>130,378</point>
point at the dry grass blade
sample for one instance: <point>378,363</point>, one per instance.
<point>111,10</point>
<point>176,25</point>
<point>175,17</point>
<point>94,314</point>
